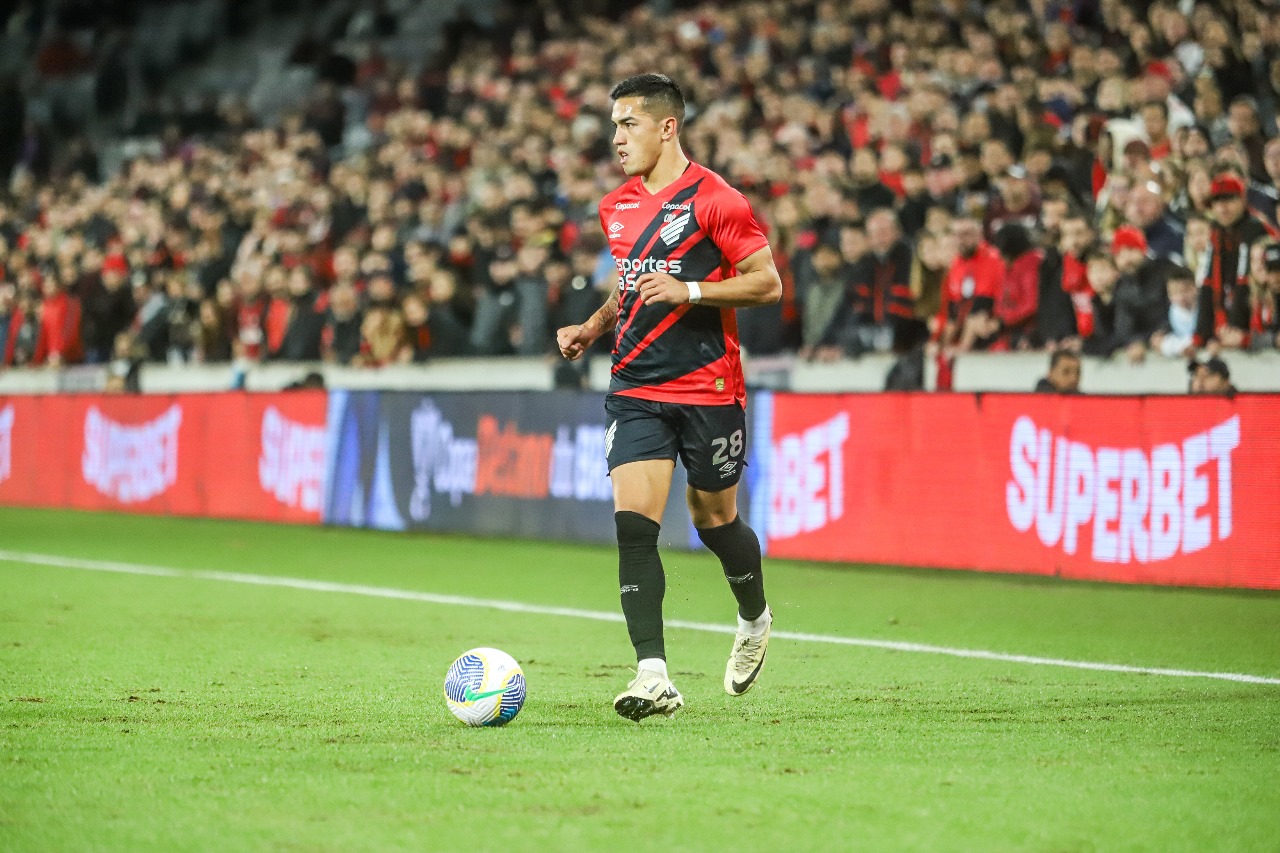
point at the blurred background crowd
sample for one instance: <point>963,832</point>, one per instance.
<point>371,183</point>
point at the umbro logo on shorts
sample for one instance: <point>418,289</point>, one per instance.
<point>608,438</point>
<point>728,468</point>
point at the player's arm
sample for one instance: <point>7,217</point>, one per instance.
<point>757,283</point>
<point>575,340</point>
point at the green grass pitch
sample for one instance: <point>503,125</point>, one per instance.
<point>163,713</point>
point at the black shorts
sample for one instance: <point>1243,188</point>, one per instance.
<point>711,441</point>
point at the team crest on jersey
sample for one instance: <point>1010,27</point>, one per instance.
<point>673,230</point>
<point>719,383</point>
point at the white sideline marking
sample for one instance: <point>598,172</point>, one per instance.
<point>597,615</point>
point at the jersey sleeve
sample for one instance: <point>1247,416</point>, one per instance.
<point>732,226</point>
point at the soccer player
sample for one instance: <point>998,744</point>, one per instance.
<point>688,251</point>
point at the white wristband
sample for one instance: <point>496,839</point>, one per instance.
<point>695,292</point>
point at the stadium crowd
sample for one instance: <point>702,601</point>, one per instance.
<point>935,178</point>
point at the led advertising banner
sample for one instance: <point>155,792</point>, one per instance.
<point>233,455</point>
<point>517,464</point>
<point>1164,490</point>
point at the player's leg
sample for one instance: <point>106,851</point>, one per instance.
<point>641,447</point>
<point>639,493</point>
<point>713,448</point>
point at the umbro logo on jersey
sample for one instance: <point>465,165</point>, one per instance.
<point>615,230</point>
<point>674,230</point>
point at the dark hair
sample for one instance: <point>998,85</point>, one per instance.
<point>1013,240</point>
<point>1059,355</point>
<point>662,97</point>
<point>1180,273</point>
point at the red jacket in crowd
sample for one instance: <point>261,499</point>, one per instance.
<point>972,284</point>
<point>59,330</point>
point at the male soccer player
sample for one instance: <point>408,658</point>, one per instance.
<point>689,251</point>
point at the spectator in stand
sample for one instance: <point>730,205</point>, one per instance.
<point>125,367</point>
<point>1155,122</point>
<point>497,314</point>
<point>970,289</point>
<point>1265,327</point>
<point>340,338</point>
<point>1014,320</point>
<point>59,340</point>
<point>416,327</point>
<point>1065,304</point>
<point>1266,200</point>
<point>1145,210</point>
<point>878,314</point>
<point>150,327</point>
<point>1224,309</point>
<point>304,324</point>
<point>1211,376</point>
<point>24,330</point>
<point>384,338</point>
<point>927,273</point>
<point>1245,125</point>
<point>449,331</point>
<point>1196,254</point>
<point>212,337</point>
<point>1096,325</point>
<point>1140,298</point>
<point>108,308</point>
<point>532,294</point>
<point>868,190</point>
<point>1017,203</point>
<point>825,301</point>
<point>8,298</point>
<point>1064,374</point>
<point>1176,338</point>
<point>249,333</point>
<point>585,290</point>
<point>181,316</point>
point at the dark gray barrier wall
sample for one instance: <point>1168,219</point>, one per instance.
<point>526,464</point>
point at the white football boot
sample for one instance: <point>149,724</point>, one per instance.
<point>747,658</point>
<point>648,693</point>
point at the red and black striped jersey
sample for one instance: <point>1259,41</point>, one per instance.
<point>696,229</point>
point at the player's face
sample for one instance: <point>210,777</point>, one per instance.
<point>637,135</point>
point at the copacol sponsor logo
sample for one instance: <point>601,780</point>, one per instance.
<point>127,462</point>
<point>6,442</point>
<point>1143,505</point>
<point>808,478</point>
<point>291,465</point>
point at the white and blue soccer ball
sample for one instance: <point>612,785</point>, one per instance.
<point>485,687</point>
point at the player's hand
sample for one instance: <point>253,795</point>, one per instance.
<point>661,287</point>
<point>573,341</point>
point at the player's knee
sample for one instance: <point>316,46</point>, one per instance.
<point>635,529</point>
<point>711,509</point>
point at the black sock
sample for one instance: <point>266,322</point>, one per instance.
<point>739,551</point>
<point>641,582</point>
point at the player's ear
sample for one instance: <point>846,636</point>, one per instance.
<point>670,127</point>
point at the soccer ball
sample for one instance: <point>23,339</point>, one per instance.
<point>484,687</point>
